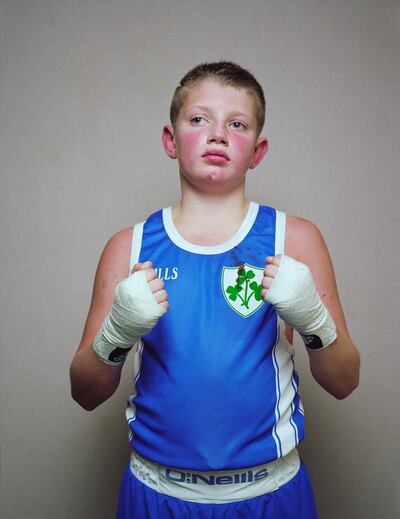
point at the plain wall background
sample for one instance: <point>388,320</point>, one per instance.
<point>85,89</point>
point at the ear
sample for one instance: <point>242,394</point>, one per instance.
<point>260,150</point>
<point>168,141</point>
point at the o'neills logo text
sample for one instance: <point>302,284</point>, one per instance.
<point>195,478</point>
<point>167,273</point>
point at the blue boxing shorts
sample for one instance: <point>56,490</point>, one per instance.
<point>294,499</point>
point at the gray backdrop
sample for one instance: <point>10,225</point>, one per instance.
<point>85,90</point>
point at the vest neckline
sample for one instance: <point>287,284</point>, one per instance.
<point>240,234</point>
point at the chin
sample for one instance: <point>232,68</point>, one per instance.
<point>212,177</point>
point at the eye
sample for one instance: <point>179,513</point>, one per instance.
<point>197,120</point>
<point>238,125</point>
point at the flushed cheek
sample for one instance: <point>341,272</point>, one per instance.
<point>188,144</point>
<point>242,148</point>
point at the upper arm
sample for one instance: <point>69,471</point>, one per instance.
<point>112,268</point>
<point>305,243</point>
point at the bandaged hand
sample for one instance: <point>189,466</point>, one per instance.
<point>139,301</point>
<point>289,286</point>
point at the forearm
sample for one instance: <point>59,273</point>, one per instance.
<point>337,367</point>
<point>92,381</point>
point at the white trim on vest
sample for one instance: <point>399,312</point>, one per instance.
<point>285,431</point>
<point>238,237</point>
<point>280,232</point>
<point>137,235</point>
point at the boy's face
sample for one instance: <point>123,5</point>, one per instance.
<point>215,137</point>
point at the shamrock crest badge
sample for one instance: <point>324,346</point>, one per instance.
<point>242,288</point>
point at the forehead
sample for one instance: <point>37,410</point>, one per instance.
<point>215,96</point>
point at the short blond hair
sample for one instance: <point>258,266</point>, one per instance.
<point>226,73</point>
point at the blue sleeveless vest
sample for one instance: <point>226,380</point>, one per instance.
<point>215,385</point>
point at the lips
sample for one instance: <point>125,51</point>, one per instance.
<point>216,156</point>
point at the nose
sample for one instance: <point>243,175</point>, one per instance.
<point>217,134</point>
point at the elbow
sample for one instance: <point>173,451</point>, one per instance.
<point>91,387</point>
<point>83,393</point>
<point>85,399</point>
<point>88,406</point>
<point>341,382</point>
<point>90,397</point>
<point>351,383</point>
<point>344,392</point>
<point>85,403</point>
<point>340,390</point>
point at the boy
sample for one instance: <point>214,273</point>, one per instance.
<point>216,414</point>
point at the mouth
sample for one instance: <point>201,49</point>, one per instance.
<point>216,157</point>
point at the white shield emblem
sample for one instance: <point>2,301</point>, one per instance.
<point>241,287</point>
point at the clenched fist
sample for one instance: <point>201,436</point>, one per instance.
<point>156,284</point>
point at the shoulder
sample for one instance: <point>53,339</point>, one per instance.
<point>116,253</point>
<point>305,243</point>
<point>302,238</point>
<point>120,242</point>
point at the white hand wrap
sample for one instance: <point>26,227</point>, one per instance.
<point>134,313</point>
<point>297,302</point>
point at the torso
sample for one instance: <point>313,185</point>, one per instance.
<point>210,356</point>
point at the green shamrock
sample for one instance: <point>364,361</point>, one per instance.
<point>250,289</point>
<point>256,290</point>
<point>233,292</point>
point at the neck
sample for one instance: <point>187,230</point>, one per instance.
<point>209,219</point>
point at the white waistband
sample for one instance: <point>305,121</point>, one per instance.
<point>220,486</point>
